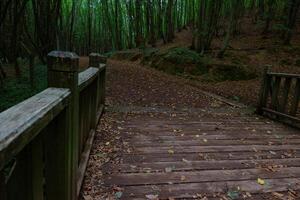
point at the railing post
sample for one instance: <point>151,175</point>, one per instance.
<point>96,59</point>
<point>63,73</point>
<point>263,96</point>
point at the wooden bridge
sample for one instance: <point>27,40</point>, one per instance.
<point>166,153</point>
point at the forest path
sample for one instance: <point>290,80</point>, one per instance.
<point>162,139</point>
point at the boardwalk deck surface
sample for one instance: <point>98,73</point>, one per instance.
<point>173,155</point>
<point>162,139</point>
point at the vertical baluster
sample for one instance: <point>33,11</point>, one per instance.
<point>264,91</point>
<point>37,168</point>
<point>276,87</point>
<point>285,97</point>
<point>2,186</point>
<point>296,98</point>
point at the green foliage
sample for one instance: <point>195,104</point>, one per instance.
<point>177,61</point>
<point>17,90</point>
<point>223,72</point>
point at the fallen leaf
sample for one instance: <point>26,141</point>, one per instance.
<point>168,169</point>
<point>170,151</point>
<point>261,181</point>
<point>152,197</point>
<point>118,195</point>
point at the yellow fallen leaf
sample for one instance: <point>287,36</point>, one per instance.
<point>170,151</point>
<point>260,181</point>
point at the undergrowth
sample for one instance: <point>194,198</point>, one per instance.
<point>16,90</point>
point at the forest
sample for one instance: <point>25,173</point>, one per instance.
<point>149,99</point>
<point>30,29</point>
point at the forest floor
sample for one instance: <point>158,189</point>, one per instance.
<point>249,48</point>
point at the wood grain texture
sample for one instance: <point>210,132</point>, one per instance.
<point>86,77</point>
<point>182,157</point>
<point>21,123</point>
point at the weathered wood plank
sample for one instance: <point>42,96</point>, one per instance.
<point>136,179</point>
<point>84,160</point>
<point>212,142</point>
<point>190,191</point>
<point>187,165</point>
<point>166,157</point>
<point>207,149</point>
<point>146,137</point>
<point>276,87</point>
<point>284,75</point>
<point>296,99</point>
<point>21,123</point>
<point>86,77</point>
<point>286,87</point>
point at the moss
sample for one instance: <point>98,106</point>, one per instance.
<point>131,55</point>
<point>176,61</point>
<point>17,90</point>
<point>223,72</point>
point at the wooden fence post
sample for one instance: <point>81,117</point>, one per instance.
<point>96,59</point>
<point>263,96</point>
<point>63,70</point>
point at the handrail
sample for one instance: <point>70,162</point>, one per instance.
<point>280,97</point>
<point>48,137</point>
<point>86,77</point>
<point>21,123</point>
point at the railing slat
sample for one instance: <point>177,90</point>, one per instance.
<point>286,90</point>
<point>281,97</point>
<point>275,92</point>
<point>296,98</point>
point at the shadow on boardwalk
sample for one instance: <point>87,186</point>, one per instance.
<point>162,139</point>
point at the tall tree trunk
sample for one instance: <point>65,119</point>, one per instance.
<point>170,21</point>
<point>293,6</point>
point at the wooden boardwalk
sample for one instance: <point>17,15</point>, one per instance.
<point>205,155</point>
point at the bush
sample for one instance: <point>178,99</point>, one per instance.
<point>17,90</point>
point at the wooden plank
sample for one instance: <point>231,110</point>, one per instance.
<point>222,136</point>
<point>190,191</point>
<point>207,149</point>
<point>296,99</point>
<point>264,90</point>
<point>275,89</point>
<point>84,160</point>
<point>136,179</point>
<point>187,165</point>
<point>286,87</point>
<point>284,75</point>
<point>37,167</point>
<point>58,158</point>
<point>3,191</point>
<point>23,122</point>
<point>205,142</point>
<point>178,157</point>
<point>286,116</point>
<point>86,77</point>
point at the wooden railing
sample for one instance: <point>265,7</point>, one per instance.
<point>280,97</point>
<point>45,141</point>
